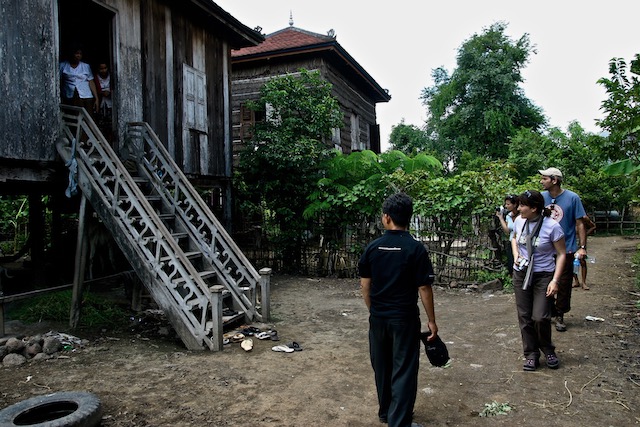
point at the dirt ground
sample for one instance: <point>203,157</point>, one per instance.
<point>153,381</point>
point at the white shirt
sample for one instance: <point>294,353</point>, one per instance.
<point>76,79</point>
<point>105,84</point>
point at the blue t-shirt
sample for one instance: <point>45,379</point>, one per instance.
<point>397,265</point>
<point>566,208</point>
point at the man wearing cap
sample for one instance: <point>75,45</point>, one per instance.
<point>566,208</point>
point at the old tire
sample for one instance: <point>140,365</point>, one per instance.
<point>63,409</point>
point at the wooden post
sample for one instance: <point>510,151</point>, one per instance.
<point>82,243</point>
<point>215,298</point>
<point>265,293</point>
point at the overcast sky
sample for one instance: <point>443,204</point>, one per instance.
<point>400,42</point>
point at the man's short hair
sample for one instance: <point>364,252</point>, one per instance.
<point>399,207</point>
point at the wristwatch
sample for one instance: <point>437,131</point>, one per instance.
<point>583,247</point>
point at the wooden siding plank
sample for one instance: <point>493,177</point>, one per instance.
<point>29,84</point>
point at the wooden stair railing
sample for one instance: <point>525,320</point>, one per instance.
<point>189,293</point>
<point>235,271</point>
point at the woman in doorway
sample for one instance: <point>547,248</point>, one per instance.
<point>78,87</point>
<point>538,246</point>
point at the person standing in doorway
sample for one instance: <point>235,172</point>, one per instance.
<point>78,87</point>
<point>394,270</point>
<point>566,208</point>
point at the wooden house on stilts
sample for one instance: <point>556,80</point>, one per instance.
<point>169,132</point>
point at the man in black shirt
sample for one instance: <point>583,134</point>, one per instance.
<point>394,270</point>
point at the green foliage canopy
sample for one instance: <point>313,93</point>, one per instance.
<point>481,105</point>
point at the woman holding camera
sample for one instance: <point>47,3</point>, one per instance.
<point>539,253</point>
<point>506,216</point>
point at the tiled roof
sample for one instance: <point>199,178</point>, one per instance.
<point>287,38</point>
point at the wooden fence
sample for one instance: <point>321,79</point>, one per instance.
<point>478,246</point>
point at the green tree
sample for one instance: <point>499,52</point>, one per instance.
<point>410,139</point>
<point>482,105</point>
<point>622,109</point>
<point>282,164</point>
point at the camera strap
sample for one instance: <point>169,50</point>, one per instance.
<point>530,239</point>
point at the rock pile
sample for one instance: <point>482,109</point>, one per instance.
<point>15,351</point>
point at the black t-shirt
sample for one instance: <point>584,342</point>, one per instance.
<point>397,265</point>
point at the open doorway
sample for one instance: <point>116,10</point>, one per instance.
<point>90,26</point>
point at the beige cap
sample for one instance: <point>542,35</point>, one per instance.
<point>551,172</point>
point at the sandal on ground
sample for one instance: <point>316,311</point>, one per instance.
<point>247,345</point>
<point>263,335</point>
<point>282,349</point>
<point>295,346</point>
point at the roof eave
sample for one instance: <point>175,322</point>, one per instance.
<point>240,35</point>
<point>333,47</point>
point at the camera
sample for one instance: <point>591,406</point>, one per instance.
<point>500,209</point>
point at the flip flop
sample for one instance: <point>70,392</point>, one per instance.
<point>282,349</point>
<point>247,344</point>
<point>251,330</point>
<point>263,335</point>
<point>295,346</point>
<point>274,335</point>
<point>237,337</point>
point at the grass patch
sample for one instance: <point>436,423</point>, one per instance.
<point>97,310</point>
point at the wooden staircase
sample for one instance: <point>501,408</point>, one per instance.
<point>188,262</point>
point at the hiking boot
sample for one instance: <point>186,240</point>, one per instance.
<point>552,361</point>
<point>530,364</point>
<point>560,326</point>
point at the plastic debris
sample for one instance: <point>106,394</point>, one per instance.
<point>594,319</point>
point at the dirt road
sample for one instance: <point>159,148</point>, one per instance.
<point>150,381</point>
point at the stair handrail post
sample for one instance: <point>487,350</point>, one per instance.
<point>215,301</point>
<point>265,293</point>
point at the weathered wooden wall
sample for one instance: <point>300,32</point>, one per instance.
<point>29,114</point>
<point>247,81</point>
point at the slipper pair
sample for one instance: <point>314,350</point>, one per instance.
<point>250,330</point>
<point>282,349</point>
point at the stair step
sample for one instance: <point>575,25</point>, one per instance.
<point>189,255</point>
<point>149,197</point>
<point>179,236</point>
<point>204,275</point>
<point>163,217</point>
<point>232,319</point>
<point>140,179</point>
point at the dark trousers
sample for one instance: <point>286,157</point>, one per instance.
<point>534,313</point>
<point>565,285</point>
<point>394,347</point>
